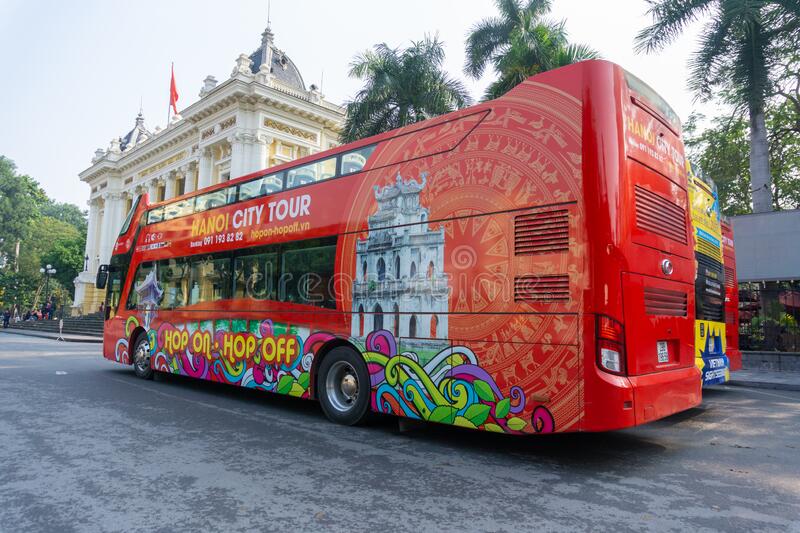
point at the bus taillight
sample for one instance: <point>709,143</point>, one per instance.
<point>610,345</point>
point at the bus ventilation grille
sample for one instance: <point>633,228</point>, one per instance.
<point>542,232</point>
<point>665,302</point>
<point>729,278</point>
<point>660,216</point>
<point>541,288</point>
<point>706,248</point>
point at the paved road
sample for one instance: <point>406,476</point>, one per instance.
<point>84,445</point>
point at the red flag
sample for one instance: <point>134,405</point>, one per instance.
<point>173,92</point>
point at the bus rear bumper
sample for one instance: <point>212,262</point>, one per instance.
<point>665,393</point>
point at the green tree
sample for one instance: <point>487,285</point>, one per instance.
<point>738,48</point>
<point>401,87</point>
<point>48,232</point>
<point>69,213</point>
<point>520,43</point>
<point>722,151</point>
<point>21,199</point>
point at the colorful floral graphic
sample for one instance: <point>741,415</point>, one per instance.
<point>450,388</point>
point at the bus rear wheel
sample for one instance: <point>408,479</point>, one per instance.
<point>344,387</point>
<point>141,358</point>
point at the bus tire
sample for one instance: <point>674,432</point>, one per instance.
<point>141,358</point>
<point>343,386</point>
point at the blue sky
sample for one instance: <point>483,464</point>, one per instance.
<point>73,73</point>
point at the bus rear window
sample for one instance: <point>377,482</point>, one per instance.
<point>653,100</point>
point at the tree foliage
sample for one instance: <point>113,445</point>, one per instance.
<point>401,87</point>
<point>739,49</point>
<point>722,151</point>
<point>519,43</point>
<point>48,232</point>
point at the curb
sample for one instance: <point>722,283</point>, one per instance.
<point>66,338</point>
<point>795,387</point>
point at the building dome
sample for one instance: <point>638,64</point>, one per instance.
<point>137,135</point>
<point>282,68</point>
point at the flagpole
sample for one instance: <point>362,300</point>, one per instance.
<point>169,101</point>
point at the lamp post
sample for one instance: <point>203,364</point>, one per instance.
<point>47,271</point>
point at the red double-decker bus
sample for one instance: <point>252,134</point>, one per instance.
<point>521,266</point>
<point>731,297</point>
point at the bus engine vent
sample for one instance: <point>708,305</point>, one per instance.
<point>541,288</point>
<point>665,302</point>
<point>729,277</point>
<point>658,215</point>
<point>542,232</point>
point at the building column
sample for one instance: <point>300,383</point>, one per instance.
<point>91,234</point>
<point>111,225</point>
<point>152,190</point>
<point>204,168</point>
<point>261,153</point>
<point>188,178</point>
<point>237,154</point>
<point>169,190</point>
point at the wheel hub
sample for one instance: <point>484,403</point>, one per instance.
<point>342,386</point>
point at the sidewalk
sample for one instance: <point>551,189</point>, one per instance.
<point>66,337</point>
<point>766,379</point>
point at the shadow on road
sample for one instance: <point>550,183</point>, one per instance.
<point>610,449</point>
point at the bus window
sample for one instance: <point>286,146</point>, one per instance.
<point>260,187</point>
<point>179,209</point>
<point>354,161</point>
<point>321,170</point>
<point>129,217</point>
<point>255,276</point>
<point>210,279</point>
<point>141,272</point>
<point>306,274</point>
<point>215,199</point>
<point>155,215</point>
<point>173,280</point>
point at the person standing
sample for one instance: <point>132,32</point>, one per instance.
<point>6,317</point>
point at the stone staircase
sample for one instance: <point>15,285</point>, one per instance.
<point>87,326</point>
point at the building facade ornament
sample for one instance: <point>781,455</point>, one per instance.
<point>221,136</point>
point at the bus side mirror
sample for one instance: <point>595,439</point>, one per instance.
<point>102,277</point>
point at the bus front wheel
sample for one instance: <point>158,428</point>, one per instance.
<point>141,358</point>
<point>344,387</point>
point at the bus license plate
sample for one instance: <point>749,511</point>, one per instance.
<point>663,352</point>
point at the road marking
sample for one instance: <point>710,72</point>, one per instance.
<point>766,393</point>
<point>60,373</point>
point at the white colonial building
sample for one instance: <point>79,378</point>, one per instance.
<point>401,285</point>
<point>261,116</point>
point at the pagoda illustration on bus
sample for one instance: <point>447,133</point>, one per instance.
<point>401,267</point>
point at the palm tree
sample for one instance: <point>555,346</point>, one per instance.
<point>737,48</point>
<point>402,87</point>
<point>519,44</point>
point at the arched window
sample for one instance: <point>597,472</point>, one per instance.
<point>364,271</point>
<point>430,270</point>
<point>412,326</point>
<point>413,269</point>
<point>422,217</point>
<point>397,267</point>
<point>434,326</point>
<point>360,320</point>
<point>381,269</point>
<point>377,318</point>
<point>396,320</point>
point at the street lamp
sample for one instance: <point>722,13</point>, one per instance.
<point>47,271</point>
